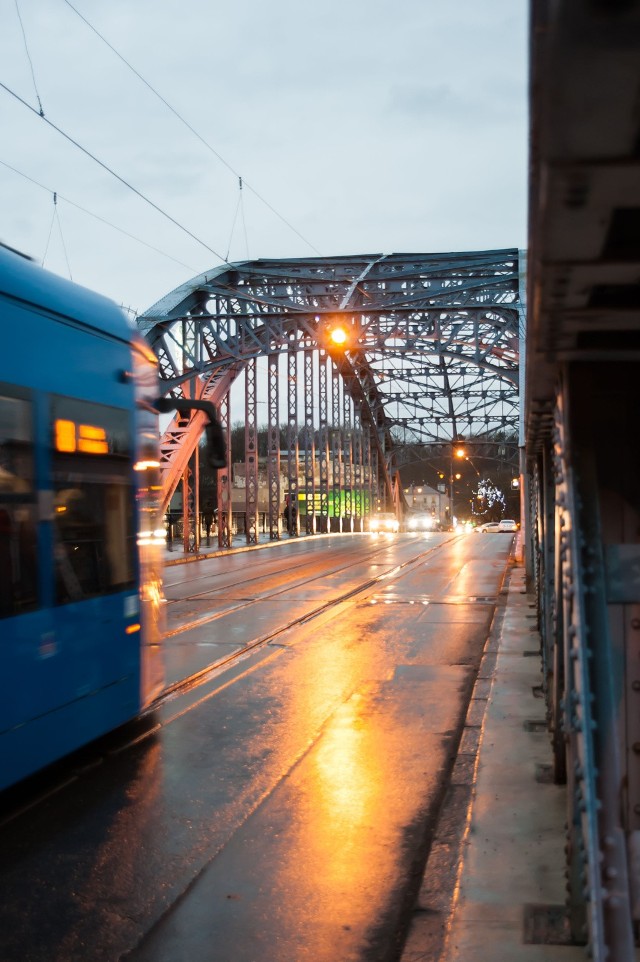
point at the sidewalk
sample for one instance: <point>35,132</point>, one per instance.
<point>175,555</point>
<point>509,863</point>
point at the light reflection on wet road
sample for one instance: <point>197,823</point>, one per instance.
<point>282,804</point>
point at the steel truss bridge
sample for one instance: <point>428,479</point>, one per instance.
<point>431,355</point>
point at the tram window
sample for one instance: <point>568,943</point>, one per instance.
<point>93,500</point>
<point>18,563</point>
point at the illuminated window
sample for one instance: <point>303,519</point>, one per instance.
<point>92,440</point>
<point>94,540</point>
<point>65,432</point>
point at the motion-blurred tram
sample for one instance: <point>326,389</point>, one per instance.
<point>80,530</point>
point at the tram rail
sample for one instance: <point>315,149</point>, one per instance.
<point>148,723</point>
<point>245,581</point>
<point>200,677</point>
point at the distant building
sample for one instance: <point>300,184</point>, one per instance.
<point>422,498</point>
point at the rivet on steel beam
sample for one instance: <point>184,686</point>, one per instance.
<point>636,747</point>
<point>635,623</point>
<point>636,685</point>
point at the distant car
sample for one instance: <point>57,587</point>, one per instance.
<point>421,522</point>
<point>384,521</point>
<point>489,527</point>
<point>507,525</point>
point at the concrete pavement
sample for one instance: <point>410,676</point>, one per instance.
<point>508,858</point>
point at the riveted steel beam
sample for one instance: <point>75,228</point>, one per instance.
<point>251,453</point>
<point>273,447</point>
<point>225,507</point>
<point>309,440</point>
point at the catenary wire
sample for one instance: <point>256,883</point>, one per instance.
<point>112,172</point>
<point>64,246</point>
<point>56,220</point>
<point>191,128</point>
<point>26,47</point>
<point>98,217</point>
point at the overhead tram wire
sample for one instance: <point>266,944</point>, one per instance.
<point>192,129</point>
<point>113,172</point>
<point>56,219</point>
<point>239,207</point>
<point>26,47</point>
<point>102,220</point>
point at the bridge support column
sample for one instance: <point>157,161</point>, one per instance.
<point>347,524</point>
<point>309,444</point>
<point>323,442</point>
<point>251,453</point>
<point>191,505</point>
<point>368,480</point>
<point>224,482</point>
<point>273,448</point>
<point>336,447</point>
<point>357,466</point>
<point>293,519</point>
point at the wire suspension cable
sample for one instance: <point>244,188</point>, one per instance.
<point>189,127</point>
<point>244,224</point>
<point>46,246</point>
<point>64,246</point>
<point>26,47</point>
<point>97,217</point>
<point>239,207</point>
<point>109,170</point>
<point>56,220</point>
<point>233,225</point>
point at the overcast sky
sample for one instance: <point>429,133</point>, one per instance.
<point>369,126</point>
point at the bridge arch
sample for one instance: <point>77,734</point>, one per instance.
<point>432,353</point>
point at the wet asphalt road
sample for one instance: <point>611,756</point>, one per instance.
<point>279,808</point>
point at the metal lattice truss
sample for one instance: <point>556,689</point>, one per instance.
<point>432,351</point>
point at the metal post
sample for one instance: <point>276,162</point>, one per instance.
<point>367,475</point>
<point>451,485</point>
<point>348,462</point>
<point>293,519</point>
<point>309,443</point>
<point>336,447</point>
<point>251,453</point>
<point>323,441</point>
<point>357,466</point>
<point>225,506</point>
<point>273,442</point>
<point>186,505</point>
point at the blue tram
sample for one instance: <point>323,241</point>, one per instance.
<point>80,533</point>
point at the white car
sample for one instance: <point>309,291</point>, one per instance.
<point>384,521</point>
<point>507,525</point>
<point>489,527</point>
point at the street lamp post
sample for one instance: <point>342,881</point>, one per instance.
<point>457,451</point>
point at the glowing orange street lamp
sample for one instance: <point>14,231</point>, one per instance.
<point>338,336</point>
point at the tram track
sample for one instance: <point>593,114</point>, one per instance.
<point>70,771</point>
<point>247,581</point>
<point>267,596</point>
<point>191,681</point>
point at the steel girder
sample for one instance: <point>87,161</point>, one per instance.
<point>432,351</point>
<point>582,409</point>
